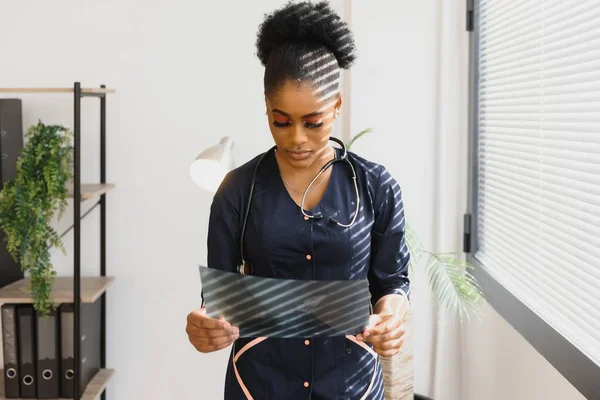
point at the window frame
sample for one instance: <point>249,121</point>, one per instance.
<point>574,365</point>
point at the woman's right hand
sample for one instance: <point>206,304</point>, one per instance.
<point>209,334</point>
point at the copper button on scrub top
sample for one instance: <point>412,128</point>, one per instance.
<point>305,384</point>
<point>307,342</point>
<point>308,257</point>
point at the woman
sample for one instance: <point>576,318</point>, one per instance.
<point>303,46</point>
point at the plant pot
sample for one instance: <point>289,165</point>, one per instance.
<point>398,371</point>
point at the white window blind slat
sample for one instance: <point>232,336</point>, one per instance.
<point>569,216</point>
<point>537,171</point>
<point>549,293</point>
<point>547,270</point>
<point>584,42</point>
<point>503,9</point>
<point>545,84</point>
<point>573,221</point>
<point>586,162</point>
<point>557,142</point>
<point>549,143</point>
<point>555,31</point>
<point>579,63</point>
<point>579,167</point>
<point>501,20</point>
<point>542,116</point>
<point>554,264</point>
<point>536,99</point>
<point>534,164</point>
<point>563,259</point>
<point>585,60</point>
<point>565,236</point>
<point>554,193</point>
<point>492,92</point>
<point>572,108</point>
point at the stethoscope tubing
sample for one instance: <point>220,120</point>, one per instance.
<point>342,158</point>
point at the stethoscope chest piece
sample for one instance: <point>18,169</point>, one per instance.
<point>245,268</point>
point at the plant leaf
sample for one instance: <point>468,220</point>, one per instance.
<point>29,202</point>
<point>357,136</point>
<point>454,287</point>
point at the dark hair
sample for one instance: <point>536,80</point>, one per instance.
<point>305,42</point>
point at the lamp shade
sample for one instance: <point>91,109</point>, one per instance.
<point>211,165</point>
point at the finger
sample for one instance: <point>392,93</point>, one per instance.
<point>221,346</point>
<point>193,330</point>
<point>389,349</point>
<point>200,319</point>
<point>211,348</point>
<point>384,324</point>
<point>392,334</point>
<point>213,341</point>
<point>373,321</point>
<point>388,323</point>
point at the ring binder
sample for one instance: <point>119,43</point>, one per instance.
<point>9,339</point>
<point>26,329</point>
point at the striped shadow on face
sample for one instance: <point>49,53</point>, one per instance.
<point>286,308</point>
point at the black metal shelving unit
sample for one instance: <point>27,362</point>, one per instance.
<point>77,97</point>
<point>96,289</point>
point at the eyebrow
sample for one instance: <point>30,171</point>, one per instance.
<point>312,114</point>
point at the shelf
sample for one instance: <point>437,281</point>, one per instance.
<point>56,90</point>
<point>92,287</point>
<point>90,190</point>
<point>98,384</point>
<point>93,390</point>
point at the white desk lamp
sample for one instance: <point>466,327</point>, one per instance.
<point>212,164</point>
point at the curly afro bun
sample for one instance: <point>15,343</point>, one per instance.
<point>304,41</point>
<point>306,23</point>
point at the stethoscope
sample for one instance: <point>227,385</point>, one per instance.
<point>244,267</point>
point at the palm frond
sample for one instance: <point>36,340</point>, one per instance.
<point>454,287</point>
<point>357,136</point>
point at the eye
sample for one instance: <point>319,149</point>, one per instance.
<point>281,124</point>
<point>313,125</point>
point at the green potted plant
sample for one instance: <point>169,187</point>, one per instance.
<point>453,286</point>
<point>29,202</point>
<point>454,289</point>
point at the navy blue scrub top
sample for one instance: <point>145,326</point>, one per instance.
<point>281,243</point>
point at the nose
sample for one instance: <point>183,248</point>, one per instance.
<point>297,136</point>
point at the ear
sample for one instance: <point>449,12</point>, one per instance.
<point>338,105</point>
<point>266,105</point>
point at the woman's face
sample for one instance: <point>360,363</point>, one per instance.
<point>301,123</point>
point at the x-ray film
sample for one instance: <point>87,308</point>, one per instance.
<point>286,308</point>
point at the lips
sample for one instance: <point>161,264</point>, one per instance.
<point>298,154</point>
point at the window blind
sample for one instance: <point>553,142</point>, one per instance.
<point>538,159</point>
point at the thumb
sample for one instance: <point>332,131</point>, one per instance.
<point>373,321</point>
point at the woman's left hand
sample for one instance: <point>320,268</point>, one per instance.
<point>385,333</point>
<point>385,330</point>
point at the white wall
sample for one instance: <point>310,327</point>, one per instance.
<point>500,364</point>
<point>186,74</point>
